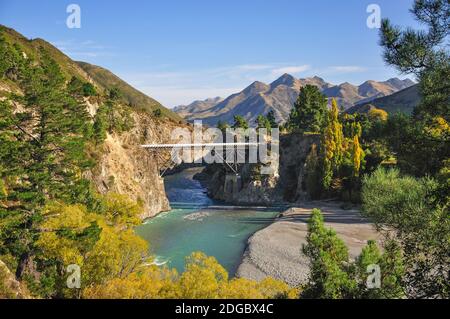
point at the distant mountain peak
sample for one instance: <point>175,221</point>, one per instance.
<point>256,87</point>
<point>285,79</point>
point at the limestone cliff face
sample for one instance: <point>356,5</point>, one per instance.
<point>244,189</point>
<point>294,149</point>
<point>125,167</point>
<point>254,189</point>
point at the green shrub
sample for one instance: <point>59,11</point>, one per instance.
<point>410,209</point>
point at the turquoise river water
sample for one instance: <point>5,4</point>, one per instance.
<point>197,223</point>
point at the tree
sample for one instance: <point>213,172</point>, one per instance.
<point>331,146</point>
<point>421,148</point>
<point>222,126</point>
<point>329,273</point>
<point>263,122</point>
<point>115,114</point>
<point>378,115</point>
<point>310,110</point>
<point>203,277</point>
<point>390,263</point>
<point>421,225</point>
<point>102,243</point>
<point>357,154</point>
<point>79,88</point>
<point>50,135</point>
<point>240,122</point>
<point>99,127</point>
<point>334,276</point>
<point>272,120</point>
<point>114,94</point>
<point>424,53</point>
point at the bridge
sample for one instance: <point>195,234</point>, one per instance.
<point>236,148</point>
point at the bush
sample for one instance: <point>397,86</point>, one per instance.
<point>157,113</point>
<point>89,89</point>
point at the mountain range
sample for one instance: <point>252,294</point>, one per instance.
<point>280,95</point>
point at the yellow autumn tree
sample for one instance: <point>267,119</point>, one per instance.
<point>377,115</point>
<point>356,155</point>
<point>268,288</point>
<point>103,245</point>
<point>203,277</point>
<point>148,282</point>
<point>120,210</point>
<point>332,149</point>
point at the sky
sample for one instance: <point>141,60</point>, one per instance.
<point>177,51</point>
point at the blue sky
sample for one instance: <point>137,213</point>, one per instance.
<point>179,51</point>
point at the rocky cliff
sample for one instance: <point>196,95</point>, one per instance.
<point>125,167</point>
<point>252,188</point>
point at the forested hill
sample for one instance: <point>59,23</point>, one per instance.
<point>103,80</point>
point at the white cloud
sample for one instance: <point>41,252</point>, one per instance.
<point>291,69</point>
<point>86,48</point>
<point>347,69</point>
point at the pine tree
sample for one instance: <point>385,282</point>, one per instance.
<point>424,53</point>
<point>309,112</point>
<point>44,155</point>
<point>271,118</point>
<point>263,122</point>
<point>240,122</point>
<point>330,276</point>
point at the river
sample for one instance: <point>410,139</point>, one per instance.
<point>197,223</point>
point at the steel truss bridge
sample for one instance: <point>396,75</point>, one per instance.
<point>238,150</point>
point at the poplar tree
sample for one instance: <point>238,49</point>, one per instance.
<point>332,149</point>
<point>356,155</point>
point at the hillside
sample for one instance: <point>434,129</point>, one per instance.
<point>280,96</point>
<point>132,96</point>
<point>101,78</point>
<point>197,106</point>
<point>403,101</point>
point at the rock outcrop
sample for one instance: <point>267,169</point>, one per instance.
<point>252,188</point>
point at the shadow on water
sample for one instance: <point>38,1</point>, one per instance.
<point>198,223</point>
